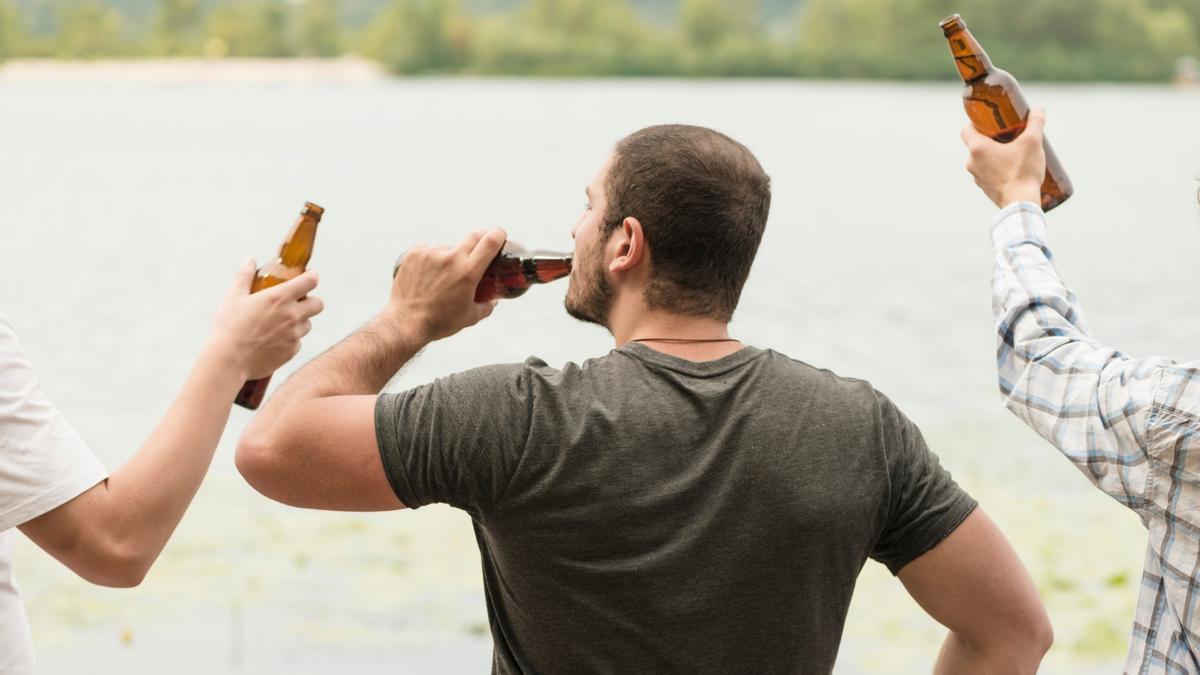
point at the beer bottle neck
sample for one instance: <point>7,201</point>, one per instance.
<point>544,267</point>
<point>297,249</point>
<point>970,59</point>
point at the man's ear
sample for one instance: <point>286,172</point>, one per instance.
<point>628,246</point>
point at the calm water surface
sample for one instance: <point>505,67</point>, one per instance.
<point>127,208</point>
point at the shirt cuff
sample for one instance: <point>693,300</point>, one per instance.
<point>1020,223</point>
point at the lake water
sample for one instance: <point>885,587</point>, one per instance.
<point>127,207</point>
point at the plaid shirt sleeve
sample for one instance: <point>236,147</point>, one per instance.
<point>1092,402</point>
<point>1131,425</point>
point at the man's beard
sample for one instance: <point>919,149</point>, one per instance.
<point>589,297</point>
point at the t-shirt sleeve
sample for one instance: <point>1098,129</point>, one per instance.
<point>456,441</point>
<point>924,503</point>
<point>43,462</point>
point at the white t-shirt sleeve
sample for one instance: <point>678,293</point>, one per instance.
<point>43,462</point>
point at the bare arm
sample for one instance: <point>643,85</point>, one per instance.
<point>974,584</point>
<point>313,444</point>
<point>112,533</point>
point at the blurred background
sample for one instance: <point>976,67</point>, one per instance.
<point>1134,40</point>
<point>149,146</point>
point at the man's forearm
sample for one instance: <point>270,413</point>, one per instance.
<point>1091,401</point>
<point>1037,317</point>
<point>315,443</point>
<point>362,363</point>
<point>433,297</point>
<point>285,458</point>
<point>284,452</point>
<point>1025,276</point>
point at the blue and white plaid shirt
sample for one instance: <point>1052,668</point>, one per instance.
<point>1132,426</point>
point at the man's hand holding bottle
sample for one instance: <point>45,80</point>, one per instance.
<point>1009,173</point>
<point>433,292</point>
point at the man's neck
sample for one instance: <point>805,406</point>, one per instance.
<point>687,337</point>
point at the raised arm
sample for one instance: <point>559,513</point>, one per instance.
<point>112,533</point>
<point>313,444</point>
<point>1091,401</point>
<point>974,584</point>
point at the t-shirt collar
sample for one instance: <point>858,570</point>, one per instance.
<point>712,368</point>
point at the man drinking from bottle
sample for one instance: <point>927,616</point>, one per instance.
<point>684,503</point>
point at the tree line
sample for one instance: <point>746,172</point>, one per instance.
<point>1117,40</point>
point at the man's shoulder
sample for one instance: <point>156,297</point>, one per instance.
<point>821,380</point>
<point>510,375</point>
<point>774,371</point>
<point>762,362</point>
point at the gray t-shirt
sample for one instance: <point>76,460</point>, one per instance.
<point>645,513</point>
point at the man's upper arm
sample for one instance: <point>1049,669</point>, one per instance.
<point>459,439</point>
<point>924,503</point>
<point>322,454</point>
<point>974,584</point>
<point>454,441</point>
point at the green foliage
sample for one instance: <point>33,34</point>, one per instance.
<point>726,37</point>
<point>1084,39</point>
<point>87,29</point>
<point>11,29</point>
<point>420,36</point>
<point>257,28</point>
<point>320,28</point>
<point>707,24</point>
<point>177,28</point>
<point>1034,39</point>
<point>569,37</point>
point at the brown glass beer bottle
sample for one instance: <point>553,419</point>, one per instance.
<point>996,106</point>
<point>514,270</point>
<point>293,258</point>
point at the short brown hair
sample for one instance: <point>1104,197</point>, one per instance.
<point>702,199</point>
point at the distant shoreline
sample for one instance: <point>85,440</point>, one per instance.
<point>344,70</point>
<point>356,70</point>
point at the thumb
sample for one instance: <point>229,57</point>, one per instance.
<point>1036,123</point>
<point>244,278</point>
